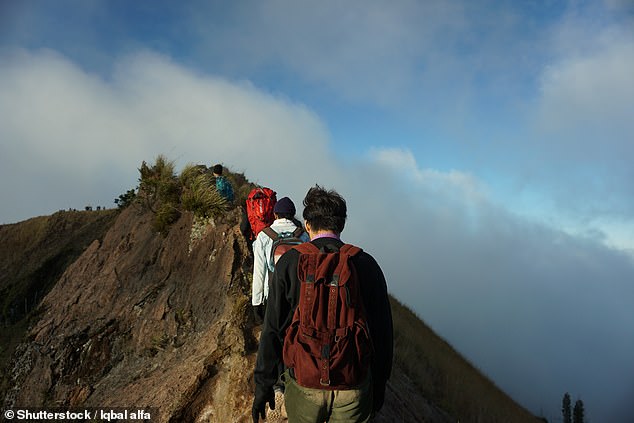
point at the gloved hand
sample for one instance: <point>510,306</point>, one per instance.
<point>262,396</point>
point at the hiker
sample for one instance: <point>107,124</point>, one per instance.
<point>332,372</point>
<point>222,184</point>
<point>291,232</point>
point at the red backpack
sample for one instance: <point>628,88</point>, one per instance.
<point>260,203</point>
<point>328,343</point>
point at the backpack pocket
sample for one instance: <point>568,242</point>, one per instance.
<point>351,356</point>
<point>304,351</point>
<point>348,356</point>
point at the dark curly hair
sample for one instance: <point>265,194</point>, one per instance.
<point>325,209</point>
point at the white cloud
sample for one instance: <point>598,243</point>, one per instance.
<point>80,127</point>
<point>593,90</point>
<point>450,184</point>
<point>395,158</point>
<point>578,142</point>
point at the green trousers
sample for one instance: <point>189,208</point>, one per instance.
<point>306,405</point>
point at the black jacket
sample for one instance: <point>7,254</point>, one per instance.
<point>284,296</point>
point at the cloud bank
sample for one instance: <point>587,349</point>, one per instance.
<point>63,127</point>
<point>530,305</point>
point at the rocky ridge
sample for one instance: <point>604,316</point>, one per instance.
<point>143,320</point>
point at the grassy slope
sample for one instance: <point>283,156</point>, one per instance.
<point>445,377</point>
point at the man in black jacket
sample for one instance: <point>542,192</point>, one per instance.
<point>325,214</point>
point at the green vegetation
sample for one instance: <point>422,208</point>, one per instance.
<point>578,413</point>
<point>126,199</point>
<point>445,377</point>
<point>572,415</point>
<point>159,191</point>
<point>566,408</point>
<point>167,195</point>
<point>199,194</point>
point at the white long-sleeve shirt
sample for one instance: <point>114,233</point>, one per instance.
<point>261,255</point>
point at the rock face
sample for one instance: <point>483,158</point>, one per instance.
<point>143,320</point>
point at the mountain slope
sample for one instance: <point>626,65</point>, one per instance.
<point>135,311</point>
<point>146,320</point>
<point>33,255</point>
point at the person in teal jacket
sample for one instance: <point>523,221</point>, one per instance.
<point>223,186</point>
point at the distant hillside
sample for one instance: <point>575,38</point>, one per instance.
<point>33,255</point>
<point>137,318</point>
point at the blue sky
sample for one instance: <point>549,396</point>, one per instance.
<point>484,147</point>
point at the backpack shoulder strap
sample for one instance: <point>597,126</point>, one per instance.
<point>307,248</point>
<point>350,250</point>
<point>298,232</point>
<point>343,271</point>
<point>271,233</point>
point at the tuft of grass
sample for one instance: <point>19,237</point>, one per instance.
<point>159,191</point>
<point>159,343</point>
<point>164,217</point>
<point>158,184</point>
<point>202,198</point>
<point>190,172</point>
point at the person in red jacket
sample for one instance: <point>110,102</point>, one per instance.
<point>325,213</point>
